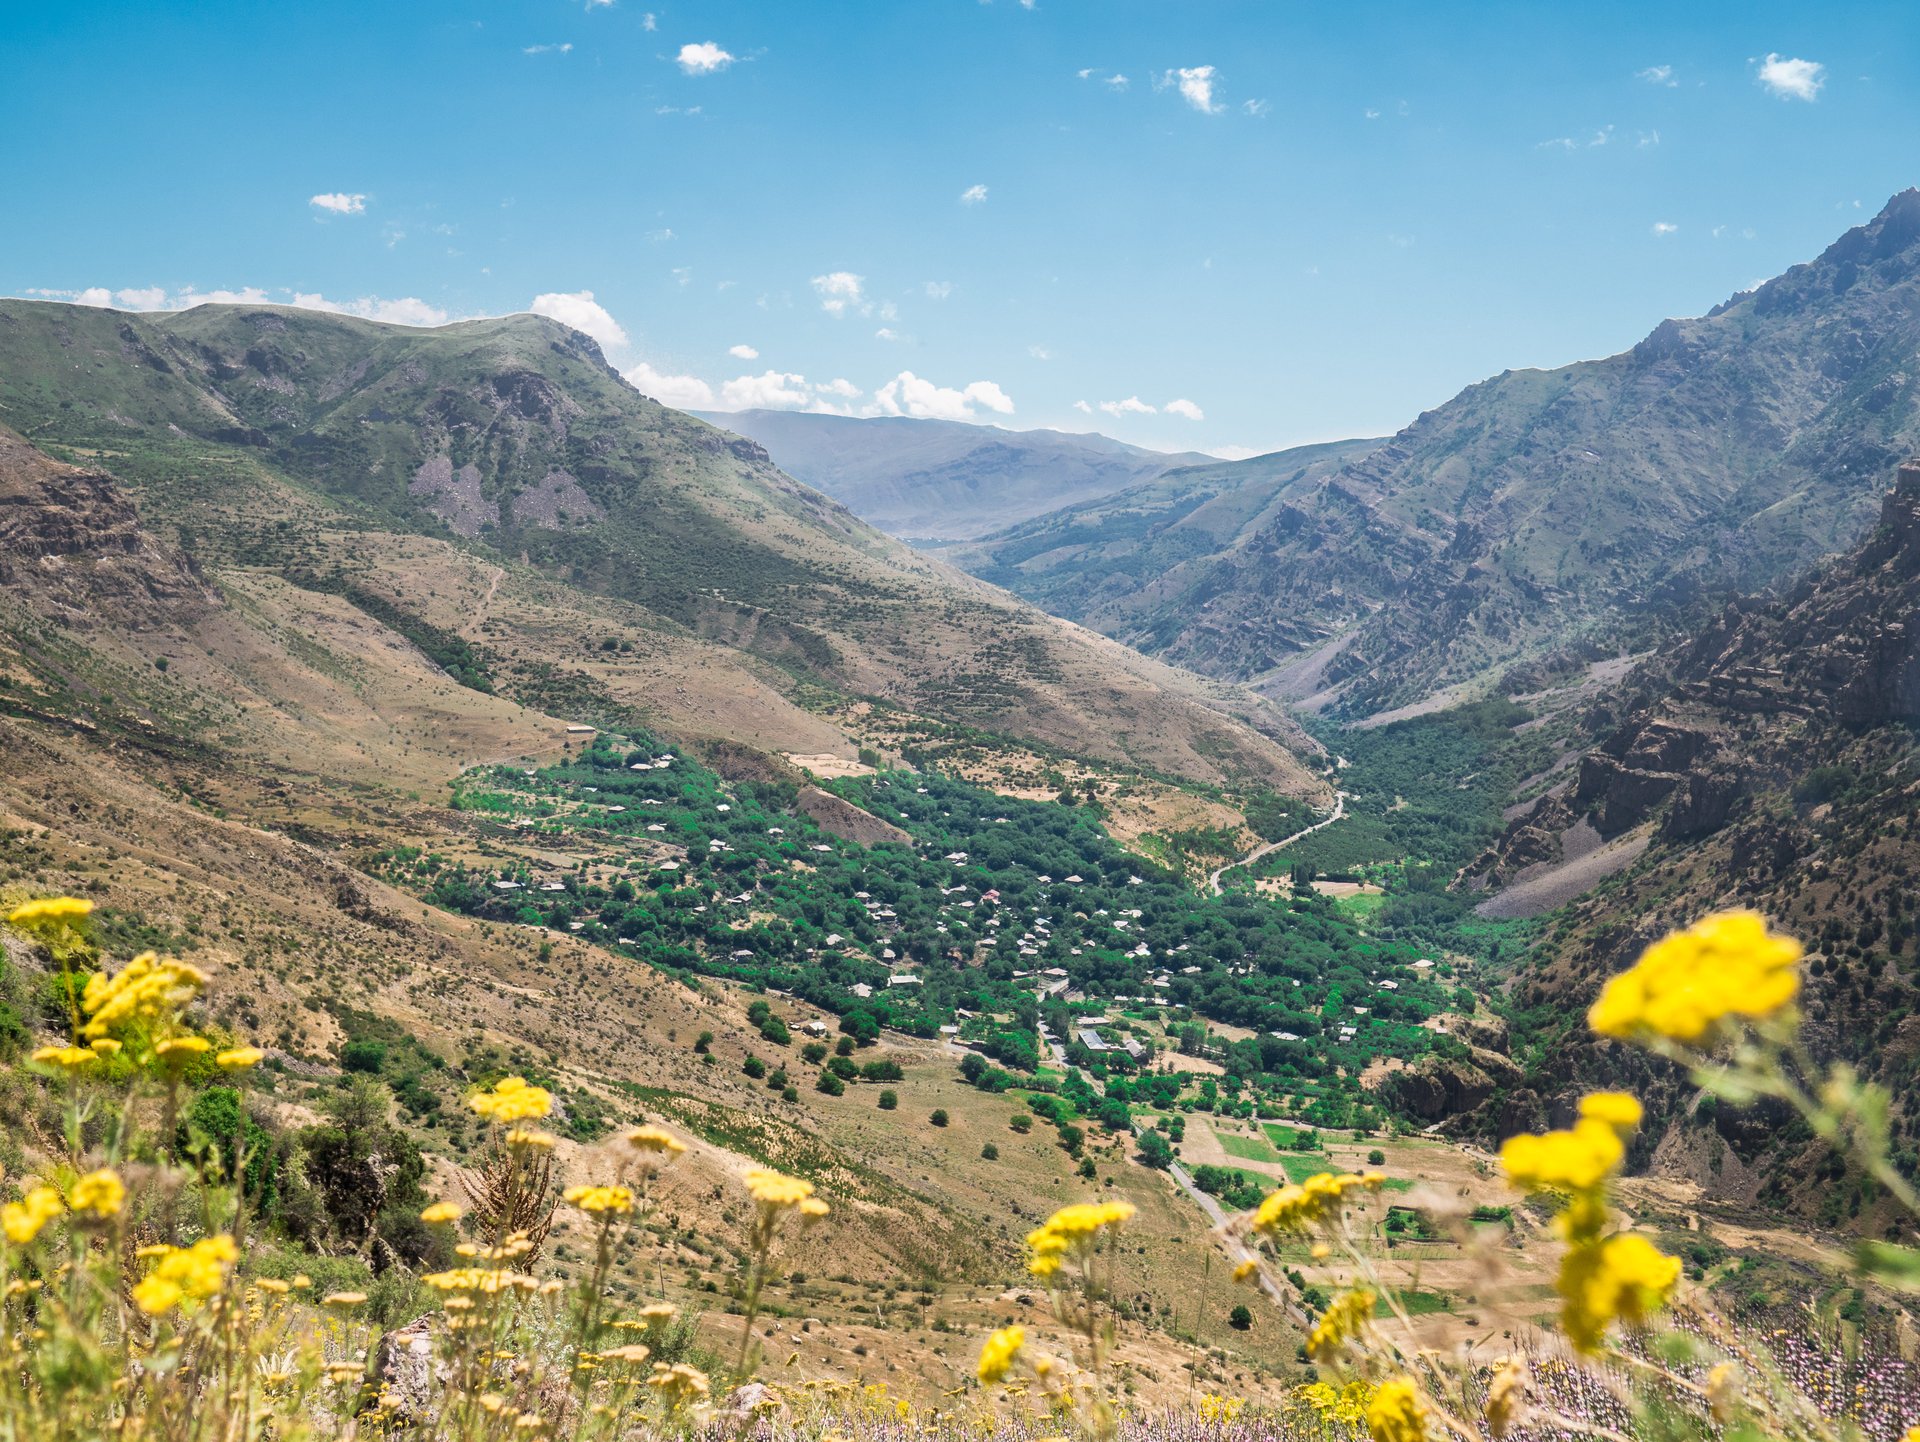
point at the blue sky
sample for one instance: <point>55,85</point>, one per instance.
<point>1287,222</point>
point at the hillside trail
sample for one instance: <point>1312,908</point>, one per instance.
<point>1269,847</point>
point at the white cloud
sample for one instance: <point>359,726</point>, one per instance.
<point>1372,114</point>
<point>973,195</point>
<point>1083,408</point>
<point>1258,109</point>
<point>938,289</point>
<point>1664,227</point>
<point>403,310</point>
<point>886,333</point>
<point>581,311</point>
<point>665,233</point>
<point>1657,75</point>
<point>1131,406</point>
<point>687,393</point>
<point>909,395</point>
<point>1117,81</point>
<point>648,21</point>
<point>1039,352</point>
<point>566,48</point>
<point>743,352</point>
<point>773,391</point>
<point>340,203</point>
<point>398,310</point>
<point>1195,85</point>
<point>1232,453</point>
<point>844,389</point>
<point>1792,79</point>
<point>1185,409</point>
<point>840,292</point>
<point>704,58</point>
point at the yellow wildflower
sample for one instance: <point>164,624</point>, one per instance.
<point>1312,1202</point>
<point>104,1046</point>
<point>68,1058</point>
<point>600,1199</point>
<point>678,1384</point>
<point>184,1276</point>
<point>1001,1351</point>
<point>773,1189</point>
<point>1396,1413</point>
<point>343,1299</point>
<point>531,1137</point>
<point>1623,1277</point>
<point>441,1212</point>
<point>1578,1160</point>
<point>655,1313</point>
<point>1723,1395</point>
<point>183,1047</point>
<point>1345,1318</point>
<point>1505,1393</point>
<point>144,987</point>
<point>633,1352</point>
<point>656,1139</point>
<point>1245,1270</point>
<point>101,1192</point>
<point>1077,1228</point>
<point>239,1058</point>
<point>23,1220</point>
<point>49,909</point>
<point>1620,1110</point>
<point>513,1099</point>
<point>1685,986</point>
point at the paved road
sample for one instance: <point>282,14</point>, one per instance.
<point>1339,810</point>
<point>1236,1248</point>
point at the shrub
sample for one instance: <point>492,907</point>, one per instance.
<point>939,1117</point>
<point>889,1100</point>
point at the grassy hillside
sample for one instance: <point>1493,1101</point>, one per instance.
<point>506,458</point>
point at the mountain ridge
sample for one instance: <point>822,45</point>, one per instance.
<point>930,480</point>
<point>1542,509</point>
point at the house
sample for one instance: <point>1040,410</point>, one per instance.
<point>1091,1039</point>
<point>580,730</point>
<point>903,980</point>
<point>816,1027</point>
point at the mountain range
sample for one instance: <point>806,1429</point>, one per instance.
<point>1533,518</point>
<point>493,490</point>
<point>929,480</point>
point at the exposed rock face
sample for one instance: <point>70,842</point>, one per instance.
<point>1748,702</point>
<point>1774,754</point>
<point>1437,1087</point>
<point>454,496</point>
<point>402,1375</point>
<point>847,821</point>
<point>554,503</point>
<point>74,539</point>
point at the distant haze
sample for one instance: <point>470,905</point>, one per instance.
<point>931,480</point>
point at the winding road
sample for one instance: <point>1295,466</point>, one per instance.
<point>1267,848</point>
<point>1237,1249</point>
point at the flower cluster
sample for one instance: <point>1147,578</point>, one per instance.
<point>512,1099</point>
<point>1001,1351</point>
<point>184,1276</point>
<point>1074,1230</point>
<point>1314,1202</point>
<point>1686,987</point>
<point>145,989</point>
<point>1605,1276</point>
